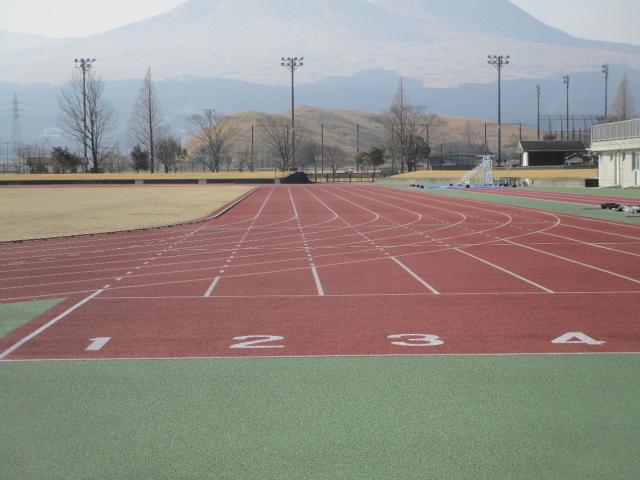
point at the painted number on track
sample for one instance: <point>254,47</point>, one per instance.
<point>97,344</point>
<point>416,340</point>
<point>257,341</point>
<point>577,338</point>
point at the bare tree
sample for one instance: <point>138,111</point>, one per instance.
<point>409,126</point>
<point>100,116</point>
<point>213,133</point>
<point>624,105</point>
<point>335,157</point>
<point>243,158</point>
<point>278,139</point>
<point>169,151</point>
<point>146,121</point>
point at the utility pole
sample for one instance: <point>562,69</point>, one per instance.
<point>499,62</point>
<point>85,65</point>
<point>292,64</point>
<point>486,145</point>
<point>605,71</point>
<point>402,149</point>
<point>357,147</point>
<point>322,149</point>
<point>538,93</point>
<point>567,81</point>
<point>252,150</point>
<point>16,133</point>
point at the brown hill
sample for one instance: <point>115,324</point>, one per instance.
<point>454,135</point>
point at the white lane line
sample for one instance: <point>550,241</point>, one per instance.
<point>217,279</point>
<point>595,245</point>
<point>317,279</point>
<point>47,325</point>
<point>314,270</point>
<point>504,270</point>
<point>212,287</point>
<point>254,358</point>
<point>624,277</point>
<point>415,275</point>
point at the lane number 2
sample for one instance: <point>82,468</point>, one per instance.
<point>416,340</point>
<point>257,341</point>
<point>97,344</point>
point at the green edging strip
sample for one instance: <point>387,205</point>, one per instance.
<point>631,193</point>
<point>592,211</point>
<point>14,315</point>
<point>454,418</point>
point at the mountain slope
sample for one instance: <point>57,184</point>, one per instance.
<point>441,42</point>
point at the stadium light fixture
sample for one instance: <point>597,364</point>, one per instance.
<point>292,63</point>
<point>499,62</point>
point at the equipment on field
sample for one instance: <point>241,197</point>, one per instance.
<point>482,175</point>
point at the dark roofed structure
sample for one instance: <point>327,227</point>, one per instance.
<point>553,153</point>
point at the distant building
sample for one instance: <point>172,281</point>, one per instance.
<point>550,153</point>
<point>618,146</point>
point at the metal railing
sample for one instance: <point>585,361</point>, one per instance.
<point>616,131</point>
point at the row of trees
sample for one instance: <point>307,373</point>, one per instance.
<point>214,143</point>
<point>82,103</point>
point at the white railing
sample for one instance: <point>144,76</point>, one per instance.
<point>616,131</point>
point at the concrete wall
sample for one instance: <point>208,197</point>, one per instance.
<point>619,164</point>
<point>619,169</point>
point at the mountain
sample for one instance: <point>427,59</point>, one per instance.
<point>17,43</point>
<point>440,42</point>
<point>368,91</point>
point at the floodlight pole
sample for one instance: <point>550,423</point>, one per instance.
<point>605,71</point>
<point>498,62</point>
<point>85,65</point>
<point>292,63</point>
<point>567,82</point>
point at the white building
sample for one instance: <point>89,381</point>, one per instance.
<point>618,146</point>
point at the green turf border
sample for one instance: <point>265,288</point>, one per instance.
<point>14,315</point>
<point>590,211</point>
<point>521,417</point>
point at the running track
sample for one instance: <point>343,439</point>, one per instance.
<point>333,270</point>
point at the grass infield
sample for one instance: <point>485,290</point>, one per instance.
<point>57,211</point>
<point>525,417</point>
<point>263,174</point>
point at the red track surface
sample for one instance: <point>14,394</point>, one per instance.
<point>561,196</point>
<point>333,270</point>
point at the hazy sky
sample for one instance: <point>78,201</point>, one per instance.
<point>614,20</point>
